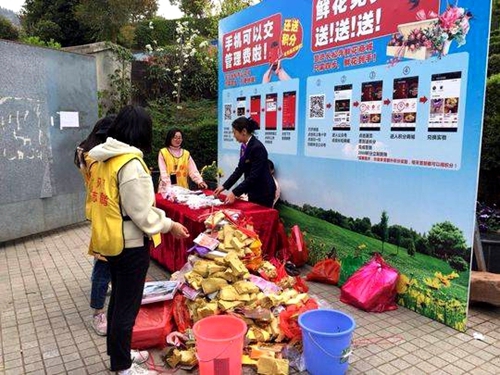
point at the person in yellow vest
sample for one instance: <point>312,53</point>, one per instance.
<point>123,217</point>
<point>101,276</point>
<point>176,164</point>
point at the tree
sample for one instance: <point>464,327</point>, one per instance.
<point>225,8</point>
<point>193,8</point>
<point>422,246</point>
<point>489,180</point>
<point>173,65</point>
<point>228,7</point>
<point>7,29</point>
<point>411,248</point>
<point>106,18</point>
<point>446,240</point>
<point>397,237</point>
<point>384,228</point>
<point>54,19</point>
<point>120,85</point>
<point>362,226</point>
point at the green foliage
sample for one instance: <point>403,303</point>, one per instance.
<point>493,65</point>
<point>422,246</point>
<point>349,265</point>
<point>362,226</point>
<point>158,28</point>
<point>163,31</point>
<point>126,36</point>
<point>458,263</point>
<point>186,69</point>
<point>346,242</point>
<point>194,8</point>
<point>48,29</point>
<point>198,121</point>
<point>7,29</point>
<point>107,18</point>
<point>229,7</point>
<point>384,228</point>
<point>120,91</point>
<point>446,240</point>
<point>36,41</point>
<point>489,174</point>
<point>54,19</point>
<point>490,158</point>
<point>495,16</point>
<point>495,48</point>
<point>410,248</point>
<point>211,172</point>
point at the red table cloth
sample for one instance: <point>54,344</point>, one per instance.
<point>172,252</point>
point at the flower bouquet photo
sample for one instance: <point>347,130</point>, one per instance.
<point>431,35</point>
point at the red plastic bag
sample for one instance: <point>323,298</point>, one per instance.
<point>297,247</point>
<point>282,246</point>
<point>300,285</point>
<point>372,287</point>
<point>325,271</point>
<point>181,313</point>
<point>152,325</point>
<point>289,319</point>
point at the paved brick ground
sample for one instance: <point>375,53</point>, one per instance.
<point>44,305</point>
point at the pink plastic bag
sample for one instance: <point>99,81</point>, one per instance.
<point>298,252</point>
<point>372,287</point>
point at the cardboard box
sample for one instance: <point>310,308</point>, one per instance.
<point>419,54</point>
<point>406,28</point>
<point>394,51</point>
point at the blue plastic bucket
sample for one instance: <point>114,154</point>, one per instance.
<point>326,335</point>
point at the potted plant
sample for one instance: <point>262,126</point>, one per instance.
<point>211,175</point>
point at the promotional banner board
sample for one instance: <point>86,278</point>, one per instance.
<point>371,111</point>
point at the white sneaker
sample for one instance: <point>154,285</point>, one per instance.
<point>99,323</point>
<point>139,356</point>
<point>135,369</point>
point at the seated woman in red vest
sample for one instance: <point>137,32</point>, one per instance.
<point>176,164</point>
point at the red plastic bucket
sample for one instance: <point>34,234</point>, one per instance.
<point>219,344</point>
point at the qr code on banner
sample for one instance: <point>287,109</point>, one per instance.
<point>317,106</point>
<point>227,111</point>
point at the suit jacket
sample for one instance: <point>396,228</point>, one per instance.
<point>258,182</point>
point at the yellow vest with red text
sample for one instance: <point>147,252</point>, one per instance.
<point>178,165</point>
<point>86,172</point>
<point>105,211</point>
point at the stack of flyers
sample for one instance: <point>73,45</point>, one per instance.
<point>189,292</point>
<point>205,240</point>
<point>155,291</point>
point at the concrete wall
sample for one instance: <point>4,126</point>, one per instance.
<point>40,188</point>
<point>104,60</point>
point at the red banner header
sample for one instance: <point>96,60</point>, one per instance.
<point>339,22</point>
<point>252,45</point>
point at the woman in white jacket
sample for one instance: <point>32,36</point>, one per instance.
<point>123,218</point>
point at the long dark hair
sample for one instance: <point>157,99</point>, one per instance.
<point>133,126</point>
<point>170,135</point>
<point>247,123</point>
<point>96,137</point>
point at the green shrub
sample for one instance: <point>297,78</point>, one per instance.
<point>163,31</point>
<point>458,263</point>
<point>7,29</point>
<point>198,121</point>
<point>495,48</point>
<point>36,41</point>
<point>493,65</point>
